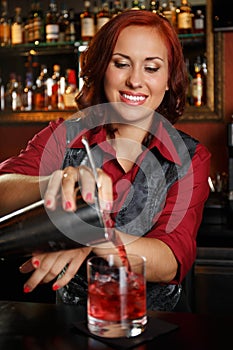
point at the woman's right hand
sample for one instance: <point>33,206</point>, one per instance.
<point>63,184</point>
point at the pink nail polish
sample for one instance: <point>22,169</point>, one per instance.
<point>68,205</point>
<point>89,197</point>
<point>48,203</point>
<point>26,289</point>
<point>55,287</point>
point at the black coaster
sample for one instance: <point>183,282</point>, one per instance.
<point>153,329</point>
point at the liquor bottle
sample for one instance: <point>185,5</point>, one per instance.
<point>70,32</point>
<point>8,92</point>
<point>38,24</point>
<point>199,22</point>
<point>27,95</point>
<point>116,9</point>
<point>198,84</point>
<point>52,26</point>
<point>5,26</point>
<point>29,27</point>
<point>17,28</point>
<point>95,10</point>
<point>155,7</point>
<point>16,94</point>
<point>143,5</point>
<point>103,16</point>
<point>87,23</point>
<point>184,18</point>
<point>41,92</point>
<point>63,21</point>
<point>70,89</point>
<point>136,5</point>
<point>55,86</point>
<point>169,11</point>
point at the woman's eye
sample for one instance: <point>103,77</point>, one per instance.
<point>120,64</point>
<point>151,69</point>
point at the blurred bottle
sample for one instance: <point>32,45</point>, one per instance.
<point>38,24</point>
<point>199,22</point>
<point>29,26</point>
<point>17,28</point>
<point>169,11</point>
<point>70,32</point>
<point>41,100</point>
<point>199,84</point>
<point>9,89</point>
<point>5,25</point>
<point>71,89</point>
<point>95,10</point>
<point>51,23</point>
<point>13,94</point>
<point>136,5</point>
<point>87,22</point>
<point>116,8</point>
<point>184,18</point>
<point>17,93</point>
<point>27,95</point>
<point>103,16</point>
<point>143,4</point>
<point>55,86</point>
<point>63,23</point>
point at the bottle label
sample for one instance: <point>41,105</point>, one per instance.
<point>37,27</point>
<point>101,21</point>
<point>199,23</point>
<point>184,21</point>
<point>52,31</point>
<point>88,28</point>
<point>16,34</point>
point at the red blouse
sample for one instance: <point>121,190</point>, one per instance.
<point>177,224</point>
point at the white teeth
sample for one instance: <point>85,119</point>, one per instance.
<point>134,98</point>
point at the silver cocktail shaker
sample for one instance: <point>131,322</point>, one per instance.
<point>36,229</point>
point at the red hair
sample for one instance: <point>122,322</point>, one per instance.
<point>94,62</point>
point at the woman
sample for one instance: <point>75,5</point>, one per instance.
<point>151,178</point>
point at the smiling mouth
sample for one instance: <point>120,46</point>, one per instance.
<point>133,98</point>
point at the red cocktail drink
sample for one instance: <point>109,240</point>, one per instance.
<point>116,296</point>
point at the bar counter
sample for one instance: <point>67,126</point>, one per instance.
<point>35,326</point>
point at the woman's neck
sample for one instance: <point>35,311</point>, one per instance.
<point>127,142</point>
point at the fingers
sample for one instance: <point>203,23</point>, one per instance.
<point>88,187</point>
<point>63,183</point>
<point>48,266</point>
<point>53,189</point>
<point>105,190</point>
<point>69,180</point>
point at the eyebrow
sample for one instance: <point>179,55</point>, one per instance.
<point>146,59</point>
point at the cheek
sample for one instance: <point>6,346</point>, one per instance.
<point>111,81</point>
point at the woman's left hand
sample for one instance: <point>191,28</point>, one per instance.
<point>47,267</point>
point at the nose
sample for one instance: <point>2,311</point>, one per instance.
<point>134,79</point>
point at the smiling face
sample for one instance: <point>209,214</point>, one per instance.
<point>137,73</point>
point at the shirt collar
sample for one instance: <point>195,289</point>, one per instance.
<point>162,140</point>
